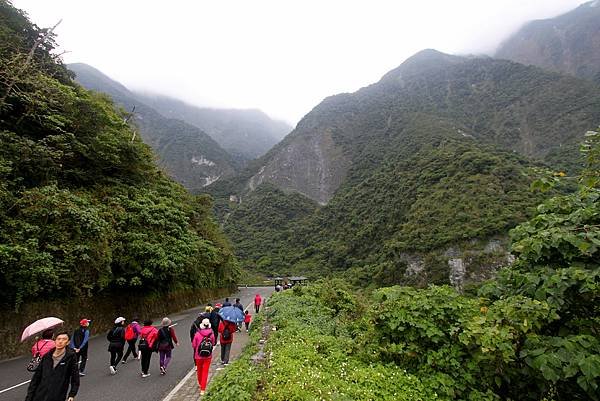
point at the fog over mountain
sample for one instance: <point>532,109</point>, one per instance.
<point>279,57</point>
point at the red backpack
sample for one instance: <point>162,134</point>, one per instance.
<point>129,332</point>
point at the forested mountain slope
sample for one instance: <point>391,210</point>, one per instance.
<point>412,172</point>
<point>84,210</point>
<point>245,134</point>
<point>569,43</point>
<point>186,152</point>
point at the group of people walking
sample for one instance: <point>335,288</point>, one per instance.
<point>63,360</point>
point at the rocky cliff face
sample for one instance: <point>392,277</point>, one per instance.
<point>569,43</point>
<point>493,101</point>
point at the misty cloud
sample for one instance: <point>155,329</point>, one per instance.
<point>280,57</point>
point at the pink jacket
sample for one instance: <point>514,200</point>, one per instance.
<point>198,337</point>
<point>42,346</point>
<point>150,333</point>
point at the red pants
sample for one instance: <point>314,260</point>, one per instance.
<point>202,366</point>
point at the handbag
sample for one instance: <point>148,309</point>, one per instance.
<point>34,363</point>
<point>36,360</point>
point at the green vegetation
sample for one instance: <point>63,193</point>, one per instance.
<point>83,208</point>
<point>430,192</point>
<point>531,334</point>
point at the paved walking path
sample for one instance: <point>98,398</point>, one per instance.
<point>99,385</point>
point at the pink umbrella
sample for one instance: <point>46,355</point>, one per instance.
<point>40,325</point>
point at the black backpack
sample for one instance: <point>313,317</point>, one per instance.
<point>226,333</point>
<point>205,348</point>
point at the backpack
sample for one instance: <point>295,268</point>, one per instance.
<point>143,345</point>
<point>129,332</point>
<point>226,333</point>
<point>205,348</point>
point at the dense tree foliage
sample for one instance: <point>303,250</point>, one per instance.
<point>83,207</point>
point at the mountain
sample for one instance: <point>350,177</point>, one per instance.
<point>185,152</point>
<point>569,43</point>
<point>416,178</point>
<point>524,109</point>
<point>245,134</point>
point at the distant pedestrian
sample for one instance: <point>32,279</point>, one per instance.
<point>167,340</point>
<point>44,344</point>
<point>257,302</point>
<point>238,304</point>
<point>247,320</point>
<point>203,343</point>
<point>148,338</point>
<point>226,329</point>
<point>226,303</point>
<point>215,319</point>
<point>55,374</point>
<point>116,343</point>
<point>132,332</point>
<point>79,344</point>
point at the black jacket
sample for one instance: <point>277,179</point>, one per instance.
<point>214,319</point>
<point>116,338</point>
<point>195,327</point>
<point>51,384</point>
<point>78,336</point>
<point>239,306</point>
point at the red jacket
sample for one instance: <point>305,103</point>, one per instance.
<point>42,346</point>
<point>232,328</point>
<point>257,299</point>
<point>150,333</point>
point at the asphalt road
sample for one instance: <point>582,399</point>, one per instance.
<point>99,385</point>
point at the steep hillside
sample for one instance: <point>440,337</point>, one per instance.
<point>523,109</point>
<point>245,134</point>
<point>569,43</point>
<point>84,210</point>
<point>420,175</point>
<point>187,153</point>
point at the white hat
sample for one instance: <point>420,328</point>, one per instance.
<point>119,320</point>
<point>205,324</point>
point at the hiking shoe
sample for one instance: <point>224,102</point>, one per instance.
<point>123,361</point>
<point>145,374</point>
<point>202,392</point>
<point>162,370</point>
<point>112,370</point>
<point>81,374</point>
<point>139,356</point>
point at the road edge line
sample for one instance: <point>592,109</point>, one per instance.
<point>179,385</point>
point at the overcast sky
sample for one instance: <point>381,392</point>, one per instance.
<point>281,56</point>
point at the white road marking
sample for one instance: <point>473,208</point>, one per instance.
<point>14,387</point>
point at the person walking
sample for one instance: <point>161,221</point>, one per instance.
<point>257,302</point>
<point>148,338</point>
<point>55,374</point>
<point>44,344</point>
<point>79,344</point>
<point>226,329</point>
<point>226,303</point>
<point>215,319</point>
<point>239,305</point>
<point>116,343</point>
<point>247,319</point>
<point>167,340</point>
<point>132,332</point>
<point>196,323</point>
<point>202,344</point>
